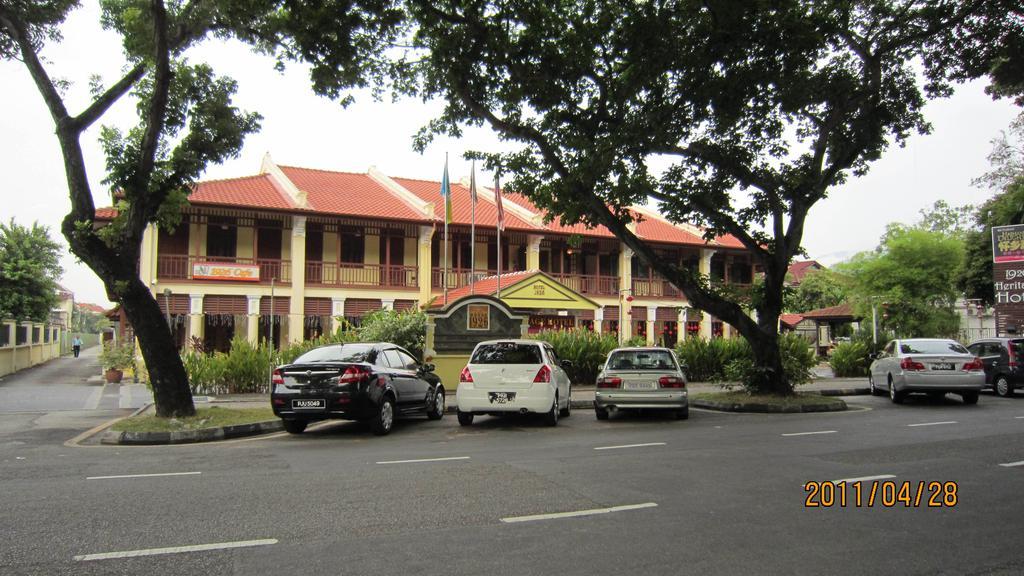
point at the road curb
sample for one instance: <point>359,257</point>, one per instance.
<point>845,391</point>
<point>832,406</point>
<point>191,436</point>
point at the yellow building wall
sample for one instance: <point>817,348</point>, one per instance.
<point>448,367</point>
<point>245,243</point>
<point>371,249</point>
<point>286,245</point>
<point>410,252</point>
<point>330,247</point>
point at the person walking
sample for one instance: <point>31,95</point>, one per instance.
<point>76,345</point>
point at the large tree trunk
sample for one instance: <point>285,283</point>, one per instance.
<point>166,371</point>
<point>769,378</point>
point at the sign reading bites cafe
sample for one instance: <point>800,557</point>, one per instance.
<point>1008,278</point>
<point>224,271</point>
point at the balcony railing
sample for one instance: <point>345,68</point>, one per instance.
<point>361,275</point>
<point>589,284</point>
<point>180,267</point>
<point>655,287</point>
<point>458,277</point>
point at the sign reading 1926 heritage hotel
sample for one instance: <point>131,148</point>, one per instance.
<point>1008,278</point>
<point>225,271</point>
<point>478,317</point>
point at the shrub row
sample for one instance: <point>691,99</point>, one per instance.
<point>246,367</point>
<point>732,360</point>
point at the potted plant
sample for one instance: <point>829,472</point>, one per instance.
<point>115,358</point>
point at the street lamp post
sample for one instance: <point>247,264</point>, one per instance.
<point>167,306</point>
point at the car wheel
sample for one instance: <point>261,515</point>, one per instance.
<point>465,418</point>
<point>601,413</point>
<point>551,417</point>
<point>294,426</point>
<point>385,418</point>
<point>567,411</point>
<point>969,397</point>
<point>437,406</point>
<point>896,397</point>
<point>1003,387</point>
<point>683,414</point>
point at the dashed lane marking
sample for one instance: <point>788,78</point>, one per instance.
<point>143,475</point>
<point>175,550</point>
<point>424,460</point>
<point>933,423</point>
<point>592,512</point>
<point>630,446</point>
<point>811,433</point>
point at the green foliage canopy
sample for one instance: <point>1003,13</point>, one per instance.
<point>29,269</point>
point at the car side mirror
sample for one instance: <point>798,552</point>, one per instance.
<point>874,355</point>
<point>566,364</point>
<point>428,367</point>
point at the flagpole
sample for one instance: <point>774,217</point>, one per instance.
<point>445,192</point>
<point>501,224</point>
<point>472,231</point>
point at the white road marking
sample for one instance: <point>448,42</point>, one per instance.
<point>175,550</point>
<point>864,478</point>
<point>94,399</point>
<point>630,446</point>
<point>592,512</point>
<point>932,423</point>
<point>1012,464</point>
<point>143,475</point>
<point>1019,417</point>
<point>810,433</point>
<point>424,460</point>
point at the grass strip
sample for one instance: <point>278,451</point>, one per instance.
<point>212,417</point>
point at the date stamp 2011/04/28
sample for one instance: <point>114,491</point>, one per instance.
<point>887,494</point>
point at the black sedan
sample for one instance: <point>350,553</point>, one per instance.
<point>374,382</point>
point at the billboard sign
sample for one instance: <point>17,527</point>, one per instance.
<point>1008,243</point>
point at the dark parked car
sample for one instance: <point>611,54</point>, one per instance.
<point>374,382</point>
<point>1004,362</point>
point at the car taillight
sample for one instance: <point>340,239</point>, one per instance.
<point>353,374</point>
<point>543,375</point>
<point>277,377</point>
<point>671,382</point>
<point>466,375</point>
<point>609,382</point>
<point>974,365</point>
<point>1012,357</point>
<point>909,364</point>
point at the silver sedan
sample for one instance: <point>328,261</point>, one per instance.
<point>641,378</point>
<point>935,366</point>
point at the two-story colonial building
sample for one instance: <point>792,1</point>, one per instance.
<point>286,253</point>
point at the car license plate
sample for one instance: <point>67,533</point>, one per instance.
<point>309,404</point>
<point>942,366</point>
<point>640,385</point>
<point>501,397</point>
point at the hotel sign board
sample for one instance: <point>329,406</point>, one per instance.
<point>1008,243</point>
<point>225,271</point>
<point>478,317</point>
<point>1008,278</point>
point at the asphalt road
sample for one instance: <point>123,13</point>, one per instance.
<point>717,494</point>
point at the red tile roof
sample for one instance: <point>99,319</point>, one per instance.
<point>791,320</point>
<point>348,194</point>
<point>248,192</point>
<point>840,311</point>
<point>462,205</point>
<point>95,308</point>
<point>797,270</point>
<point>485,286</point>
<point>106,213</point>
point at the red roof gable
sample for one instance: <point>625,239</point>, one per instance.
<point>348,194</point>
<point>791,320</point>
<point>840,311</point>
<point>797,270</point>
<point>485,286</point>
<point>249,192</point>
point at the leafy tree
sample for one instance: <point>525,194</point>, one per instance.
<point>29,269</point>
<point>1003,209</point>
<point>763,108</point>
<point>818,289</point>
<point>911,276</point>
<point>186,120</point>
<point>951,220</point>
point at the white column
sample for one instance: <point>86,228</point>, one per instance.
<point>598,319</point>
<point>652,313</point>
<point>297,302</point>
<point>337,312</point>
<point>253,319</point>
<point>195,318</point>
<point>705,270</point>
<point>387,303</point>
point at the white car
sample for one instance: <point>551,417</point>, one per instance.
<point>513,376</point>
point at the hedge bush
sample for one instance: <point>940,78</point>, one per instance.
<point>732,360</point>
<point>585,349</point>
<point>850,359</point>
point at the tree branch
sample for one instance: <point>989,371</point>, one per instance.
<point>108,98</point>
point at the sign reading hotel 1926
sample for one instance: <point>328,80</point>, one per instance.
<point>1008,278</point>
<point>225,271</point>
<point>478,317</point>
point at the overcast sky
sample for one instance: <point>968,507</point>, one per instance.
<point>301,129</point>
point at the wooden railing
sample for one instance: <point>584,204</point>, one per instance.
<point>589,284</point>
<point>179,267</point>
<point>458,277</point>
<point>361,275</point>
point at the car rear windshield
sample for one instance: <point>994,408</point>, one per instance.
<point>507,353</point>
<point>641,360</point>
<point>1017,346</point>
<point>932,347</point>
<point>335,353</point>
